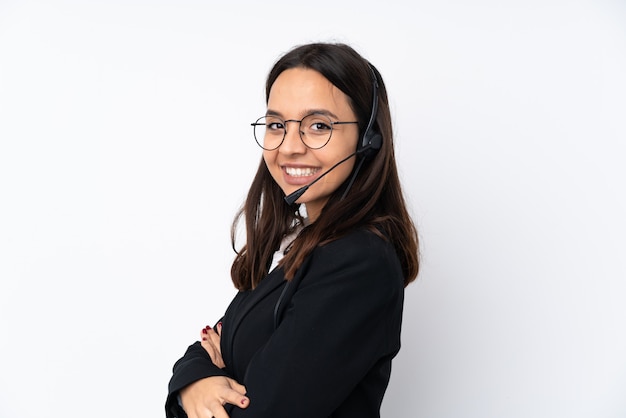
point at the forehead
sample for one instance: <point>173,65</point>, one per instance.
<point>297,90</point>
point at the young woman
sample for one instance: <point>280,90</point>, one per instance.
<point>329,249</point>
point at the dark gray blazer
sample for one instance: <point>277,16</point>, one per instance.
<point>325,350</point>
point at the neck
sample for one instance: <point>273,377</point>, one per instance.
<point>314,209</point>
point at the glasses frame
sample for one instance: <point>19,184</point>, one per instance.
<point>284,122</point>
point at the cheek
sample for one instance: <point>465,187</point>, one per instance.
<point>346,170</point>
<point>270,158</point>
<point>339,174</point>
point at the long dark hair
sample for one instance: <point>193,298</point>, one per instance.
<point>375,199</point>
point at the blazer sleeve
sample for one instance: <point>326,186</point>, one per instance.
<point>343,319</point>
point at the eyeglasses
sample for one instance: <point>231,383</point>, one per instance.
<point>315,130</point>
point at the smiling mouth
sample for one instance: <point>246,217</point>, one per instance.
<point>300,172</point>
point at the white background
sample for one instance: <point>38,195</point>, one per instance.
<point>125,150</point>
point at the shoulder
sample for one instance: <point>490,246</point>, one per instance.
<point>358,244</point>
<point>362,255</point>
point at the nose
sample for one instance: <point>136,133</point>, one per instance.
<point>292,144</point>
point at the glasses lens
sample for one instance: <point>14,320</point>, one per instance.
<point>315,130</point>
<point>269,132</point>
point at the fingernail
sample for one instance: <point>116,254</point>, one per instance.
<point>208,327</point>
<point>203,339</point>
<point>219,324</point>
<point>204,331</point>
<point>243,401</point>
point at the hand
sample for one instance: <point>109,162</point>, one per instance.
<point>206,397</point>
<point>210,340</point>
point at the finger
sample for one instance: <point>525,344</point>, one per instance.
<point>218,411</point>
<point>214,338</point>
<point>238,387</point>
<point>209,348</point>
<point>235,398</point>
<point>205,341</point>
<point>204,334</point>
<point>208,334</point>
<point>213,352</point>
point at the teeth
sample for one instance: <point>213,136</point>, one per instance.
<point>300,172</point>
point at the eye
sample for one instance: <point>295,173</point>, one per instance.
<point>317,124</point>
<point>274,124</point>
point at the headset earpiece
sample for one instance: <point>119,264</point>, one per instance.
<point>372,139</point>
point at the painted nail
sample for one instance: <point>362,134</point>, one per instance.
<point>243,401</point>
<point>203,338</point>
<point>204,331</point>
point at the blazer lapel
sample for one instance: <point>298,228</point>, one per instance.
<point>247,300</point>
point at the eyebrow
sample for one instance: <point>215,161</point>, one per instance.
<point>307,112</point>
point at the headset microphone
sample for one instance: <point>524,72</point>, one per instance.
<point>291,198</point>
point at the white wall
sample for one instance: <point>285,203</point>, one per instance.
<point>125,150</point>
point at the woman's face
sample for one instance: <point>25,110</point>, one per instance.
<point>296,93</point>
